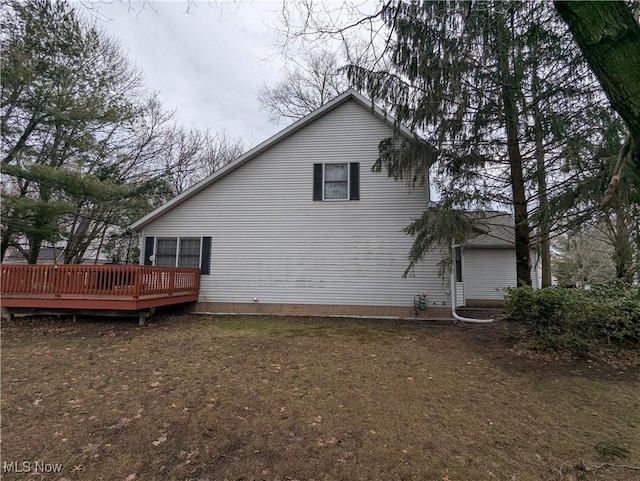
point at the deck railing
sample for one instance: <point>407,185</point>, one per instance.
<point>97,280</point>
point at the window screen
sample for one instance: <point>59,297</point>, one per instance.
<point>189,253</point>
<point>166,252</point>
<point>336,181</point>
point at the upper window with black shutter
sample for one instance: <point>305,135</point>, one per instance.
<point>336,181</point>
<point>340,181</point>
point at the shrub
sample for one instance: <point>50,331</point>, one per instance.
<point>576,319</point>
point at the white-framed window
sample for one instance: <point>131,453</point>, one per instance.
<point>458,261</point>
<point>336,182</point>
<point>165,252</point>
<point>189,253</point>
<point>194,252</point>
<point>178,252</point>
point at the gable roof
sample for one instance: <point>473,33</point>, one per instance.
<point>493,229</point>
<point>270,142</point>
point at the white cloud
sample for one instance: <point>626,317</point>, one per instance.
<point>206,64</point>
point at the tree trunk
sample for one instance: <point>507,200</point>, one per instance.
<point>104,233</point>
<point>5,243</point>
<point>543,201</point>
<point>509,96</point>
<point>34,249</point>
<point>609,38</point>
<point>543,227</point>
<point>622,246</point>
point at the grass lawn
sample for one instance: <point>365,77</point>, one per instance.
<point>205,398</point>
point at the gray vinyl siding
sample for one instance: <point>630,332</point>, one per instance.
<point>270,240</point>
<point>536,270</point>
<point>460,294</point>
<point>488,272</point>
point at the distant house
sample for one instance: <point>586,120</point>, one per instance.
<point>46,255</point>
<point>300,225</point>
<point>52,255</point>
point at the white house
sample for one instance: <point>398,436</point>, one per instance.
<point>300,225</point>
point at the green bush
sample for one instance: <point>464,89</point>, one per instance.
<point>577,319</point>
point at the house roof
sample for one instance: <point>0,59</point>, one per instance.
<point>260,148</point>
<point>493,229</point>
<point>46,255</point>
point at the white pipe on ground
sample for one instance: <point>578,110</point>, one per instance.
<point>453,301</point>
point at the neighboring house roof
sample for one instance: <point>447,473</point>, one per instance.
<point>283,134</point>
<point>51,255</point>
<point>47,255</point>
<point>493,229</point>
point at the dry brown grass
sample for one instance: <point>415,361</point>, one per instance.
<point>204,398</point>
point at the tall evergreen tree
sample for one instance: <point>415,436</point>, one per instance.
<point>582,197</point>
<point>512,105</point>
<point>487,82</point>
<point>609,36</point>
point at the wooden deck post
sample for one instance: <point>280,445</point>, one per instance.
<point>144,315</point>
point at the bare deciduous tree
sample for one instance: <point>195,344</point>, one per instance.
<point>86,150</point>
<point>312,83</point>
<point>196,154</point>
<point>584,257</point>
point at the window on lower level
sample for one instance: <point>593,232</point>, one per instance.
<point>178,252</point>
<point>166,250</point>
<point>189,253</point>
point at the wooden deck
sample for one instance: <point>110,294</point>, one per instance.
<point>94,287</point>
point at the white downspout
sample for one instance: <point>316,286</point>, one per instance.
<point>453,299</point>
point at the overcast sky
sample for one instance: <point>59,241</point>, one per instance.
<point>207,64</point>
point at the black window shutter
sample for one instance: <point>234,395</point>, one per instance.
<point>205,263</point>
<point>317,181</point>
<point>354,181</point>
<point>148,250</point>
